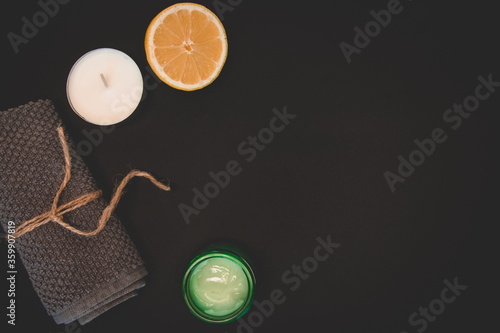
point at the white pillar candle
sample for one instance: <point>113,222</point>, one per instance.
<point>104,86</point>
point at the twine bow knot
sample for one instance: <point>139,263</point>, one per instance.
<point>57,211</point>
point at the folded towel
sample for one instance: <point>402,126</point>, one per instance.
<point>76,277</point>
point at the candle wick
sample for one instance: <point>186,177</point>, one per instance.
<point>104,81</point>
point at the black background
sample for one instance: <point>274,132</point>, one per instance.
<point>323,175</point>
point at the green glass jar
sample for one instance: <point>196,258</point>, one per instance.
<point>218,285</point>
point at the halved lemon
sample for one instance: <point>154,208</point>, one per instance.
<point>186,46</point>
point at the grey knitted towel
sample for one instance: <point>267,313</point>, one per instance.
<point>76,277</point>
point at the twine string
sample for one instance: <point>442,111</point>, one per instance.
<point>57,211</point>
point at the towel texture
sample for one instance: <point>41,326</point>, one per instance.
<point>76,277</point>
